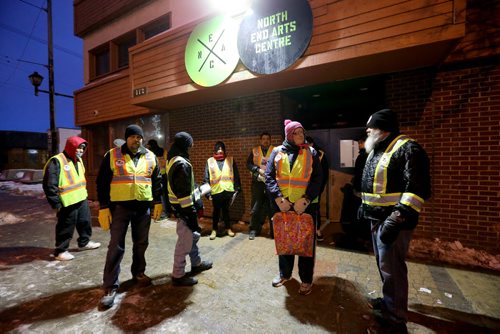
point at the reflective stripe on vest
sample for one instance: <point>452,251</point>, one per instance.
<point>379,197</point>
<point>184,202</point>
<point>221,180</point>
<point>131,182</point>
<point>72,185</point>
<point>258,156</point>
<point>293,183</point>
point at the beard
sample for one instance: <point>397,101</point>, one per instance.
<point>375,137</point>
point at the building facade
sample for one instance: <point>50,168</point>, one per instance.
<point>434,62</point>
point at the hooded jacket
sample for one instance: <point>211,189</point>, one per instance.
<point>180,181</point>
<point>53,169</point>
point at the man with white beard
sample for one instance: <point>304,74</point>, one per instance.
<point>395,183</point>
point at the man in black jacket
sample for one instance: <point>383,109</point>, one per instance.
<point>395,183</point>
<point>129,193</point>
<point>184,197</point>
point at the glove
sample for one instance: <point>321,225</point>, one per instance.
<point>360,213</point>
<point>105,219</point>
<point>157,210</point>
<point>261,178</point>
<point>261,171</point>
<point>391,227</point>
<point>283,204</point>
<point>301,205</point>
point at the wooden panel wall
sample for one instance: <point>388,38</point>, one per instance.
<point>106,100</point>
<point>342,30</point>
<point>91,14</point>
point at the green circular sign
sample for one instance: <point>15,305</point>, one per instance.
<point>212,53</point>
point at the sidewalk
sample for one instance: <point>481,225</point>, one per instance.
<point>40,295</point>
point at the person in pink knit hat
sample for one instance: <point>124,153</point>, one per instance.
<point>290,163</point>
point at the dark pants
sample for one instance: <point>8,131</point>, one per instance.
<point>393,271</point>
<point>76,215</point>
<point>260,206</point>
<point>221,202</point>
<point>138,215</point>
<point>306,264</point>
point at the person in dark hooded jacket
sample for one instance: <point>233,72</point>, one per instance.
<point>65,187</point>
<point>394,186</point>
<point>185,199</point>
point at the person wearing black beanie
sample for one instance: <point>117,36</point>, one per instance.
<point>129,187</point>
<point>394,185</point>
<point>185,202</point>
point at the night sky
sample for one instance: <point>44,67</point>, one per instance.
<point>23,36</point>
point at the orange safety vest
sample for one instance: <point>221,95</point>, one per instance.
<point>293,183</point>
<point>379,197</point>
<point>258,156</point>
<point>221,180</point>
<point>131,182</point>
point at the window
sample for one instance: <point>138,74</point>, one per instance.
<point>114,56</point>
<point>154,28</point>
<point>101,60</point>
<point>123,46</point>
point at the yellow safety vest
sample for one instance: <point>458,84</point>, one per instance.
<point>184,202</point>
<point>379,197</point>
<point>293,183</point>
<point>72,185</point>
<point>258,156</point>
<point>131,182</point>
<point>221,180</point>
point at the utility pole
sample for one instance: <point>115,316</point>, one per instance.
<point>53,133</point>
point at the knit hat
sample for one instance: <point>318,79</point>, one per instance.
<point>133,129</point>
<point>290,127</point>
<point>385,120</point>
<point>183,140</point>
<point>218,145</point>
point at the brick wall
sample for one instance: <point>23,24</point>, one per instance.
<point>454,113</point>
<point>238,123</point>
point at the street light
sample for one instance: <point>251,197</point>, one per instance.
<point>36,80</point>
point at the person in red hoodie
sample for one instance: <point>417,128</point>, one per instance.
<point>65,187</point>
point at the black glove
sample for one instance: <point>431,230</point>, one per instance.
<point>391,227</point>
<point>191,218</point>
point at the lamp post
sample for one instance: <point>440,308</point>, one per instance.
<point>36,80</point>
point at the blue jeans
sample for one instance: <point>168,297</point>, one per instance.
<point>139,216</point>
<point>187,244</point>
<point>393,272</point>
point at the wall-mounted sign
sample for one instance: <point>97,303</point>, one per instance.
<point>211,53</point>
<point>275,34</point>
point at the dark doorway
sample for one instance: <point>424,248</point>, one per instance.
<point>339,104</point>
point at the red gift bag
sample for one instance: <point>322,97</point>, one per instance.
<point>293,233</point>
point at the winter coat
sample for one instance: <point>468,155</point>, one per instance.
<point>408,172</point>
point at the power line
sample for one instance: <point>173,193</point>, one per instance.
<point>38,39</point>
<point>24,49</point>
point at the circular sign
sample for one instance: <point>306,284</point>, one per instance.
<point>211,53</point>
<point>275,34</point>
